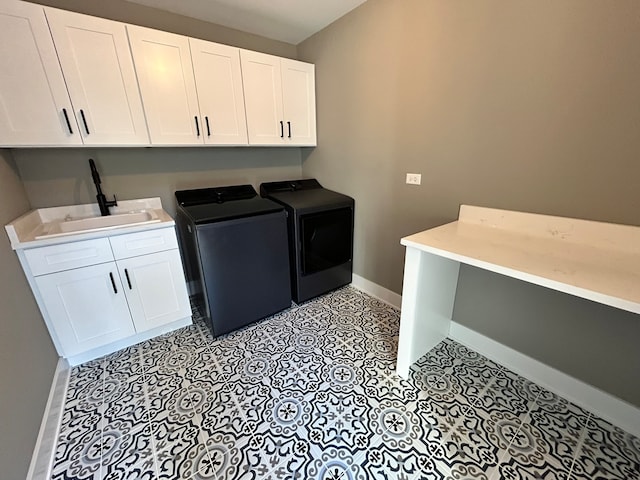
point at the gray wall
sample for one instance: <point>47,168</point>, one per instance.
<point>531,105</point>
<point>27,356</point>
<point>62,176</point>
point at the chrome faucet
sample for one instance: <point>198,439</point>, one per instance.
<point>103,203</point>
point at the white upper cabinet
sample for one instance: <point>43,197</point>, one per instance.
<point>280,100</point>
<point>98,68</point>
<point>263,98</point>
<point>165,75</point>
<point>191,89</point>
<point>34,104</point>
<point>220,95</point>
<point>73,79</point>
<point>299,100</point>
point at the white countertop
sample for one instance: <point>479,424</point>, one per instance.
<point>593,260</point>
<point>24,230</point>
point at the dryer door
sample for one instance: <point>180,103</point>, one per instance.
<point>326,239</point>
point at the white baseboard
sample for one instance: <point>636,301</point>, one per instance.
<point>127,342</point>
<point>375,290</point>
<point>44,450</point>
<point>602,404</point>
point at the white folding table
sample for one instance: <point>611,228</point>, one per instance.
<point>593,260</point>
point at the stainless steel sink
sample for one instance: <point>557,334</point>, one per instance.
<point>93,224</point>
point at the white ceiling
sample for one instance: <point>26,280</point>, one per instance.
<point>290,21</point>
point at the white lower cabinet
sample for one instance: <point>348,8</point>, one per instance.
<point>155,289</point>
<point>87,307</point>
<point>97,294</point>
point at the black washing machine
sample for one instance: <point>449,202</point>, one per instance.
<point>234,250</point>
<point>320,224</point>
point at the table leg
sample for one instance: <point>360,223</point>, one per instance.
<point>428,294</point>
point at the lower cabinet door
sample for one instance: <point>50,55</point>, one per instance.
<point>87,306</point>
<point>155,288</point>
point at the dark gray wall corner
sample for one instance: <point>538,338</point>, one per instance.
<point>27,356</point>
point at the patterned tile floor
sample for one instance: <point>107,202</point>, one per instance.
<point>311,393</point>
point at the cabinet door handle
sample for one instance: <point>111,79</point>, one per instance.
<point>197,126</point>
<point>289,124</point>
<point>66,117</point>
<point>126,274</point>
<point>113,283</point>
<point>84,121</point>
<point>206,120</point>
<point>281,129</point>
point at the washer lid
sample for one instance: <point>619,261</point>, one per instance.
<point>208,205</point>
<point>200,196</point>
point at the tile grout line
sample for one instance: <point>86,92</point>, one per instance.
<point>147,401</point>
<point>237,405</point>
<point>580,444</point>
<point>147,394</point>
<point>102,419</point>
<point>485,390</point>
<point>443,440</point>
<point>522,422</point>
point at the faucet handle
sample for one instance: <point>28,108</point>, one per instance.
<point>112,203</point>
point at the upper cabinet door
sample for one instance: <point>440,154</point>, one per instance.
<point>299,97</point>
<point>280,100</point>
<point>220,95</point>
<point>263,98</point>
<point>163,65</point>
<point>34,103</point>
<point>97,65</point>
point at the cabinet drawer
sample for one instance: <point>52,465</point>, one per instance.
<point>142,243</point>
<point>66,256</point>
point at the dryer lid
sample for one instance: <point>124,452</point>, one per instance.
<point>270,188</point>
<point>304,196</point>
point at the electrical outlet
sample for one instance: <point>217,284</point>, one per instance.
<point>414,178</point>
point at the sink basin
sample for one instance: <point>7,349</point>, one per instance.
<point>109,221</point>
<point>93,224</point>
